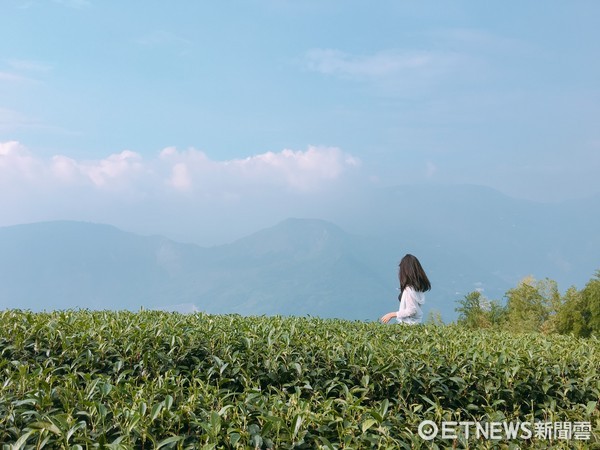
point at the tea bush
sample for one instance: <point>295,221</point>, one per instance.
<point>149,380</point>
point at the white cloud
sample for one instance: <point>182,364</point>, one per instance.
<point>10,120</point>
<point>296,170</point>
<point>19,72</point>
<point>29,65</point>
<point>184,171</point>
<point>120,165</point>
<point>17,163</point>
<point>10,148</point>
<point>21,168</point>
<point>9,77</point>
<point>380,64</point>
<point>180,178</point>
<point>403,65</point>
<point>64,168</point>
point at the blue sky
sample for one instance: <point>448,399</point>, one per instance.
<point>135,112</point>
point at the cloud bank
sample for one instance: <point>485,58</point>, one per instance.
<point>184,171</point>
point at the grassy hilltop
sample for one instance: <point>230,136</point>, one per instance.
<point>146,380</point>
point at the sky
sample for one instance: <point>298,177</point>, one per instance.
<point>204,120</point>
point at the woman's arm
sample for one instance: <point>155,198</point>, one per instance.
<point>389,316</point>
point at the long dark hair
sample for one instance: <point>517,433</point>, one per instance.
<point>411,273</point>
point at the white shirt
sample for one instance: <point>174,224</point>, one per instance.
<point>410,306</point>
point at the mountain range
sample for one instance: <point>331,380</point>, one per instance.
<point>467,238</point>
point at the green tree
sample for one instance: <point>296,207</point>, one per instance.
<point>469,310</point>
<point>476,311</point>
<point>531,304</point>
<point>591,299</point>
<point>497,313</point>
<point>568,318</point>
<point>579,313</point>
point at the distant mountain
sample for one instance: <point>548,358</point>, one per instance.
<point>467,238</point>
<point>299,267</point>
<point>70,264</point>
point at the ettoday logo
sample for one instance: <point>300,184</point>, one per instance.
<point>429,430</point>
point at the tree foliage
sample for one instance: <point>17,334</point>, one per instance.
<point>536,306</point>
<point>476,311</point>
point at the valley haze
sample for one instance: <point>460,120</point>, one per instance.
<point>344,265</point>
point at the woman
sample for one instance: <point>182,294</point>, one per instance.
<point>413,284</point>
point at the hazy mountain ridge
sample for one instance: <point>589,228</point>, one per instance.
<point>300,266</point>
<point>467,238</point>
<point>295,267</point>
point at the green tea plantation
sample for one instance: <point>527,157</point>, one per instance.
<point>155,380</point>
